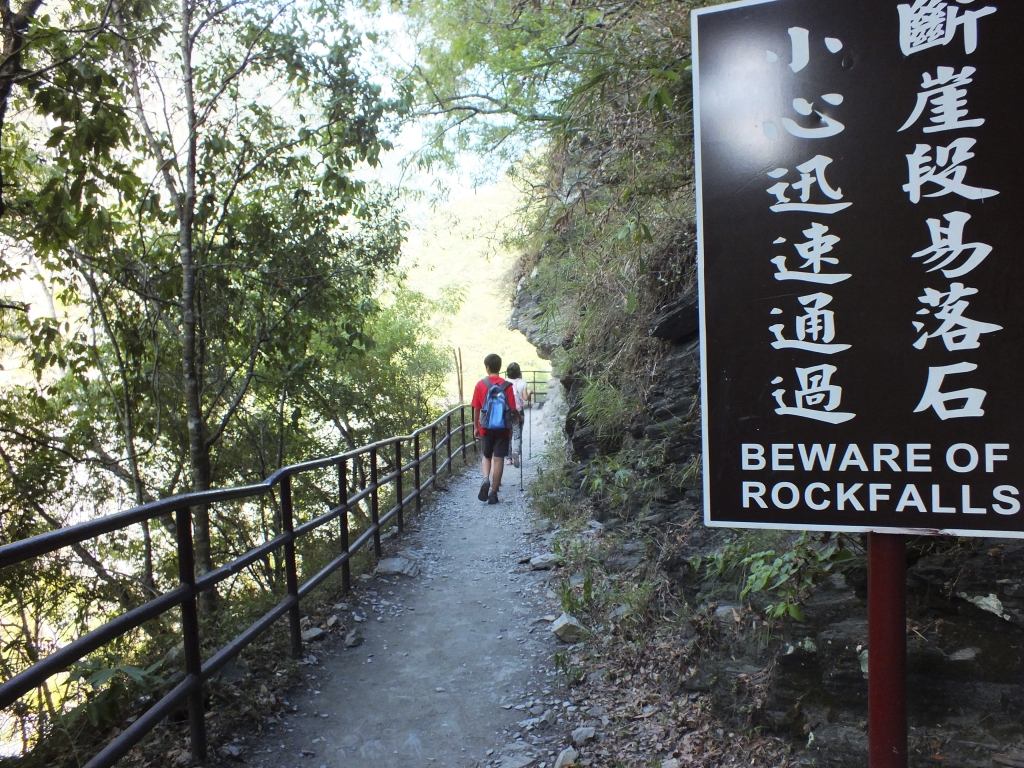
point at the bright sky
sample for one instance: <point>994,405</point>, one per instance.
<point>456,224</point>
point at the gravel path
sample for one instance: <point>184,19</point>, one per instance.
<point>454,660</point>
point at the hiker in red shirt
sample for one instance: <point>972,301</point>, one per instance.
<point>494,399</point>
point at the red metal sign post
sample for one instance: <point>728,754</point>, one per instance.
<point>887,650</point>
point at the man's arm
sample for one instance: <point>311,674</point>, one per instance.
<point>476,404</point>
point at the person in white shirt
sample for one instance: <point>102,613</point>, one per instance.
<point>522,397</point>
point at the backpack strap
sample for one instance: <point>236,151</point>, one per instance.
<point>513,412</point>
<point>504,385</point>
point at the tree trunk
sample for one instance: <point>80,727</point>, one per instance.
<point>127,417</point>
<point>199,452</point>
<point>13,27</point>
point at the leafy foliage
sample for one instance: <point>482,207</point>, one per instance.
<point>787,575</point>
<point>593,103</point>
<point>214,294</point>
<point>604,408</point>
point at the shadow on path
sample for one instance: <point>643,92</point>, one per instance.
<point>453,658</point>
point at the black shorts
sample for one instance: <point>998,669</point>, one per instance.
<point>495,444</point>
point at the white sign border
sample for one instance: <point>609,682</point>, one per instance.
<point>706,458</point>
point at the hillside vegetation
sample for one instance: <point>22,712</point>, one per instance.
<point>196,290</point>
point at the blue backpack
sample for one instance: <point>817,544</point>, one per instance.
<point>496,412</point>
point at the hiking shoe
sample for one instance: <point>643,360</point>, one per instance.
<point>492,498</point>
<point>484,488</point>
<point>515,460</point>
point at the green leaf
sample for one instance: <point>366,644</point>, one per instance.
<point>101,677</point>
<point>139,676</point>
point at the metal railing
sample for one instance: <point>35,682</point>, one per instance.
<point>184,596</point>
<point>537,381</point>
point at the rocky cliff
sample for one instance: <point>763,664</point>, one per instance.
<point>804,679</point>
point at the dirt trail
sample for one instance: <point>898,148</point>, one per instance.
<point>453,658</point>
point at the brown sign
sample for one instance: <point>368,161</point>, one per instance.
<point>861,221</point>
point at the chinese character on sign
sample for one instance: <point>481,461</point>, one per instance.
<point>936,399</point>
<point>823,126</point>
<point>815,329</point>
<point>812,173</point>
<point>827,126</point>
<point>800,47</point>
<point>813,252</point>
<point>947,173</point>
<point>928,23</point>
<point>948,99</point>
<point>817,397</point>
<point>957,332</point>
<point>948,246</point>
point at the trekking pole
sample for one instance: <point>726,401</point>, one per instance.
<point>530,437</point>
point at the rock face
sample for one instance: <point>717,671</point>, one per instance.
<point>625,556</point>
<point>679,321</point>
<point>965,599</point>
<point>808,679</point>
<point>965,658</point>
<point>526,316</point>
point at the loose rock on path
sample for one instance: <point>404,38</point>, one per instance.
<point>454,667</point>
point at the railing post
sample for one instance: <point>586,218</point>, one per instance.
<point>448,442</point>
<point>374,502</point>
<point>291,572</point>
<point>416,472</point>
<point>433,450</point>
<point>462,431</point>
<point>190,632</point>
<point>346,571</point>
<point>398,484</point>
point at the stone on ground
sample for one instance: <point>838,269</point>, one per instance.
<point>566,758</point>
<point>353,638</point>
<point>545,562</point>
<point>516,761</point>
<point>569,630</point>
<point>397,566</point>
<point>582,735</point>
